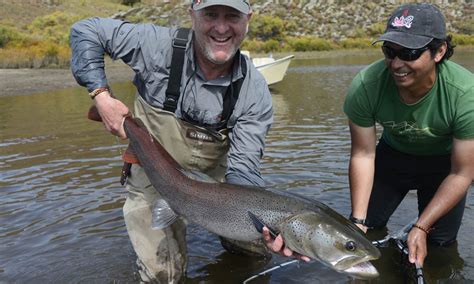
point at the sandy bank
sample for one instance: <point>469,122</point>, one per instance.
<point>29,81</point>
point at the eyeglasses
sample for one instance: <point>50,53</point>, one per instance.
<point>405,54</point>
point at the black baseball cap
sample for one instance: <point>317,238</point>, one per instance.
<point>240,5</point>
<point>414,26</point>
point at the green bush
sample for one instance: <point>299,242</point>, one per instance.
<point>375,30</point>
<point>9,35</point>
<point>355,43</point>
<point>372,31</point>
<point>37,55</point>
<point>5,36</point>
<point>308,43</point>
<point>253,45</point>
<point>461,39</point>
<point>271,45</point>
<point>265,27</point>
<point>53,27</point>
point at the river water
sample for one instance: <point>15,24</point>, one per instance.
<point>60,207</point>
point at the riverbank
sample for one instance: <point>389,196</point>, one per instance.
<point>30,81</point>
<point>27,81</point>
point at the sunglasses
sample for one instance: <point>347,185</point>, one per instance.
<point>405,54</point>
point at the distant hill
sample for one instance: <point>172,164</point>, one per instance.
<point>35,33</point>
<point>333,19</point>
<point>20,13</point>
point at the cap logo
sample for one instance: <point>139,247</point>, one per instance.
<point>197,2</point>
<point>403,21</point>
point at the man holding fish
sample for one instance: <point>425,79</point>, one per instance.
<point>198,96</point>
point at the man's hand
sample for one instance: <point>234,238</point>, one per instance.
<point>112,112</point>
<point>277,245</point>
<point>417,249</point>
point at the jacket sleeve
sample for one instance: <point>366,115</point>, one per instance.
<point>247,139</point>
<point>92,38</point>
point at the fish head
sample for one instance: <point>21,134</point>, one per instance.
<point>331,240</point>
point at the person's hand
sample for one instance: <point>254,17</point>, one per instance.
<point>112,112</point>
<point>362,227</point>
<point>277,245</point>
<point>417,249</point>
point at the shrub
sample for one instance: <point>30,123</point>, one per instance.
<point>9,35</point>
<point>253,45</point>
<point>356,43</point>
<point>309,43</point>
<point>37,55</point>
<point>53,27</point>
<point>266,27</point>
<point>271,45</point>
<point>461,39</point>
<point>375,30</point>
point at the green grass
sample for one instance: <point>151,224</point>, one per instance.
<point>36,35</point>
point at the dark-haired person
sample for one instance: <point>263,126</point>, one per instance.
<point>425,104</point>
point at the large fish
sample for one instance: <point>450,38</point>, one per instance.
<point>307,226</point>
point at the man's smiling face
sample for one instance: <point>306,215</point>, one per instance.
<point>219,31</point>
<point>414,74</point>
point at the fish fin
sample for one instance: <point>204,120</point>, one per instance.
<point>259,225</point>
<point>162,215</point>
<point>197,175</point>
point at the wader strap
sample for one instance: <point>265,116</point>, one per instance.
<point>232,93</point>
<point>229,99</point>
<point>177,62</point>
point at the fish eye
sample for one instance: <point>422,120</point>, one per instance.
<point>351,246</point>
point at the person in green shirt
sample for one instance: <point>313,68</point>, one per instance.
<point>425,105</point>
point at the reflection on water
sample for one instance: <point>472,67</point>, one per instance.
<point>60,211</point>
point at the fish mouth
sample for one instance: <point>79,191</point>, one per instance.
<point>362,270</point>
<point>358,268</point>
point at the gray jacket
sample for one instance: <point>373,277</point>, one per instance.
<point>147,49</point>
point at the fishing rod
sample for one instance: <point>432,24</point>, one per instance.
<point>420,278</point>
<point>399,237</point>
<point>270,270</point>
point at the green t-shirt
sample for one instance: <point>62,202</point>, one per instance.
<point>424,128</point>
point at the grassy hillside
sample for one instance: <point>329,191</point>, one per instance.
<point>35,33</point>
<point>20,13</point>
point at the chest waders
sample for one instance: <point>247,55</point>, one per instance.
<point>162,253</point>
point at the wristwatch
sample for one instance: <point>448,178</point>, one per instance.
<point>97,91</point>
<point>357,220</point>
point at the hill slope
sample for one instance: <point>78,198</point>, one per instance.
<point>327,19</point>
<point>336,19</point>
<point>35,33</point>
